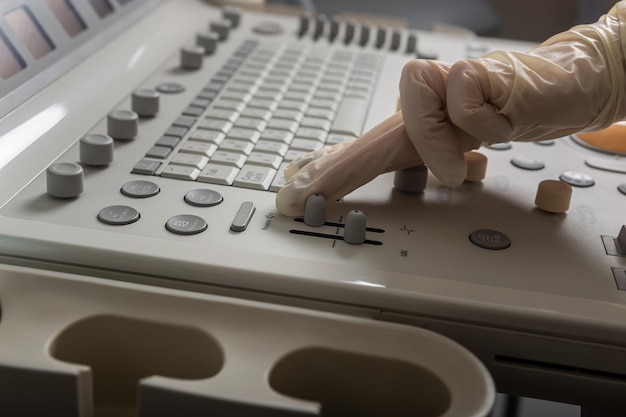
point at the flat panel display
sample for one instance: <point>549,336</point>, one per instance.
<point>67,15</point>
<point>10,61</point>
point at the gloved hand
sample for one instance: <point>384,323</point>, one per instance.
<point>574,81</point>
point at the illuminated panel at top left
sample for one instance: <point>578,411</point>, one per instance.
<point>29,31</point>
<point>10,62</point>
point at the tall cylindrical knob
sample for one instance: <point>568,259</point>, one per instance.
<point>553,196</point>
<point>64,180</point>
<point>476,166</point>
<point>96,150</point>
<point>221,27</point>
<point>122,124</point>
<point>207,40</point>
<point>191,57</point>
<point>411,180</point>
<point>232,14</point>
<point>355,227</point>
<point>145,102</point>
<point>315,210</point>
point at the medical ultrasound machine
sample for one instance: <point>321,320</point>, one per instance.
<point>144,268</point>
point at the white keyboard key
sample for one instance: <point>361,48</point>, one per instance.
<point>200,148</point>
<point>316,123</point>
<point>264,160</point>
<point>273,147</point>
<point>279,179</point>
<point>190,160</point>
<point>234,159</point>
<point>292,115</point>
<point>255,177</point>
<point>236,145</point>
<point>320,113</point>
<point>214,124</point>
<point>223,114</point>
<point>334,139</point>
<point>350,117</point>
<point>293,154</point>
<point>247,135</point>
<point>283,124</point>
<point>293,105</point>
<point>227,104</point>
<point>218,174</point>
<point>277,135</point>
<point>181,172</point>
<point>264,104</point>
<point>257,114</point>
<point>307,145</point>
<point>324,104</point>
<point>311,133</point>
<point>211,136</point>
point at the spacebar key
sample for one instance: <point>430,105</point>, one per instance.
<point>350,117</point>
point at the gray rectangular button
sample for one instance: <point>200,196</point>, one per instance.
<point>243,217</point>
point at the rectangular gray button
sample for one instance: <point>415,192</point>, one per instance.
<point>243,217</point>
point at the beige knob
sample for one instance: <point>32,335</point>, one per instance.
<point>553,196</point>
<point>476,166</point>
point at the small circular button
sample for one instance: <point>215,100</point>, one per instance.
<point>65,180</point>
<point>315,210</point>
<point>577,179</point>
<point>548,142</point>
<point>118,215</point>
<point>191,57</point>
<point>123,124</point>
<point>96,150</point>
<point>490,239</point>
<point>203,198</point>
<point>140,189</point>
<point>145,102</point>
<point>355,227</point>
<point>232,14</point>
<point>411,180</point>
<point>476,166</point>
<point>527,163</point>
<point>553,196</point>
<point>170,88</point>
<point>186,224</point>
<point>221,27</point>
<point>500,146</point>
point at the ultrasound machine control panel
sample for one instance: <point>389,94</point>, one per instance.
<point>144,142</point>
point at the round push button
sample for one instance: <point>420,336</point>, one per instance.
<point>207,40</point>
<point>577,179</point>
<point>65,180</point>
<point>191,57</point>
<point>203,198</point>
<point>186,224</point>
<point>145,102</point>
<point>140,189</point>
<point>122,124</point>
<point>489,239</point>
<point>526,163</point>
<point>170,88</point>
<point>553,196</point>
<point>96,150</point>
<point>118,215</point>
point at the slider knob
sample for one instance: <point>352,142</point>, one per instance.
<point>222,28</point>
<point>207,40</point>
<point>145,102</point>
<point>411,180</point>
<point>122,124</point>
<point>315,210</point>
<point>476,166</point>
<point>64,180</point>
<point>96,150</point>
<point>191,57</point>
<point>232,14</point>
<point>355,227</point>
<point>553,196</point>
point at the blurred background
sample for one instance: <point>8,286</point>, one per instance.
<point>532,20</point>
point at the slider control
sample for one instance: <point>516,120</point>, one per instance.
<point>354,230</point>
<point>315,210</point>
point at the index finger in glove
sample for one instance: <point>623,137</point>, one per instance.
<point>339,169</point>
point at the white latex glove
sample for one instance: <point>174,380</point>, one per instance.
<point>574,81</point>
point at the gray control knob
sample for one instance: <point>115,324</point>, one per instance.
<point>64,180</point>
<point>221,27</point>
<point>96,150</point>
<point>207,40</point>
<point>122,124</point>
<point>411,180</point>
<point>145,102</point>
<point>355,227</point>
<point>315,210</point>
<point>191,57</point>
<point>232,14</point>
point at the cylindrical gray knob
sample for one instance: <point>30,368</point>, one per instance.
<point>122,124</point>
<point>232,14</point>
<point>145,102</point>
<point>191,57</point>
<point>355,227</point>
<point>315,210</point>
<point>221,27</point>
<point>207,40</point>
<point>64,180</point>
<point>411,180</point>
<point>96,150</point>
